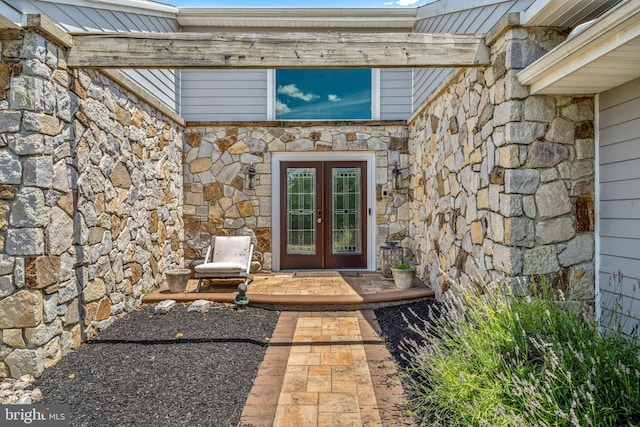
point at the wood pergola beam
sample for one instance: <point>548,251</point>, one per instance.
<point>276,50</point>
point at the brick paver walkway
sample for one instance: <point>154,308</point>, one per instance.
<point>326,369</point>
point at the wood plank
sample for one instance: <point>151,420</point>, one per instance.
<point>48,28</point>
<point>276,50</point>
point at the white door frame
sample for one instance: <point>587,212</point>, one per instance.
<point>370,209</point>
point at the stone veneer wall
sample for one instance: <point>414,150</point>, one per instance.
<point>504,181</point>
<point>217,158</point>
<point>90,202</point>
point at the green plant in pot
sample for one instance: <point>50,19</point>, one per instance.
<point>403,274</point>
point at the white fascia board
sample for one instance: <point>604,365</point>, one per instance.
<point>444,7</point>
<point>281,12</point>
<point>9,17</point>
<point>613,30</point>
<point>206,16</point>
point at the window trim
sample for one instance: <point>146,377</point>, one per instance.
<point>271,98</point>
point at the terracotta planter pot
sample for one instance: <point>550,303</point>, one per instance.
<point>403,278</point>
<point>177,279</point>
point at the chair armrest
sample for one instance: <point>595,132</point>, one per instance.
<point>207,257</point>
<point>250,258</point>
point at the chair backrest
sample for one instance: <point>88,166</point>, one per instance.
<point>232,249</point>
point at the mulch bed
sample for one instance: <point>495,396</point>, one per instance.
<point>176,369</point>
<point>180,368</point>
<point>394,326</point>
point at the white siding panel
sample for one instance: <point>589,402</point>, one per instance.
<point>619,204</point>
<point>395,94</point>
<point>621,171</point>
<point>620,209</point>
<point>620,190</point>
<point>619,133</point>
<point>620,247</point>
<point>610,264</point>
<point>621,228</point>
<point>224,95</point>
<point>621,113</point>
<point>619,152</point>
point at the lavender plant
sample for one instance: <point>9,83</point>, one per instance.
<point>492,359</point>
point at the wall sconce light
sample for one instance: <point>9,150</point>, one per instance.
<point>396,176</point>
<point>251,173</point>
<point>396,172</point>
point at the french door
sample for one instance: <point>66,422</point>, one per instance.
<point>323,212</point>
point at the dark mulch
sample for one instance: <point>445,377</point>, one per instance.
<point>395,331</point>
<point>177,369</point>
<point>394,326</point>
<point>180,369</point>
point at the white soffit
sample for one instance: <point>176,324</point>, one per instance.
<point>564,13</point>
<point>288,18</point>
<point>605,55</point>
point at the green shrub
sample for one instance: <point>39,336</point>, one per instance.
<point>497,360</point>
<point>402,266</point>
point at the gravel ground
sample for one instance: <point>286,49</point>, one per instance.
<point>180,368</point>
<point>175,369</point>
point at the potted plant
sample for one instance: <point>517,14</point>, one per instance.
<point>403,275</point>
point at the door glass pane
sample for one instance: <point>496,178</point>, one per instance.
<point>301,208</point>
<point>346,211</point>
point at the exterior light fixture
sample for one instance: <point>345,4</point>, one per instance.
<point>251,173</point>
<point>396,175</point>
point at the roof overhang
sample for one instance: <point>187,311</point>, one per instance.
<point>604,55</point>
<point>564,13</point>
<point>9,17</point>
<point>372,19</point>
<point>445,7</point>
<point>147,5</point>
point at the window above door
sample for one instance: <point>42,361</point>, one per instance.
<point>324,94</point>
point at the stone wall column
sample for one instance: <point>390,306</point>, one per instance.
<point>90,202</point>
<point>506,179</point>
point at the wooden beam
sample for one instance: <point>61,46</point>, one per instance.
<point>276,50</point>
<point>48,28</point>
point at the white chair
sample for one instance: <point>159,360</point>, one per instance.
<point>229,258</point>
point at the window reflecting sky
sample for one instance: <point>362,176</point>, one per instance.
<point>323,94</point>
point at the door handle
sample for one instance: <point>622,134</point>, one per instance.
<point>319,220</point>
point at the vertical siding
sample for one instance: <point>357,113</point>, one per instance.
<point>163,84</point>
<point>471,21</point>
<point>619,151</point>
<point>224,95</point>
<point>395,94</point>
